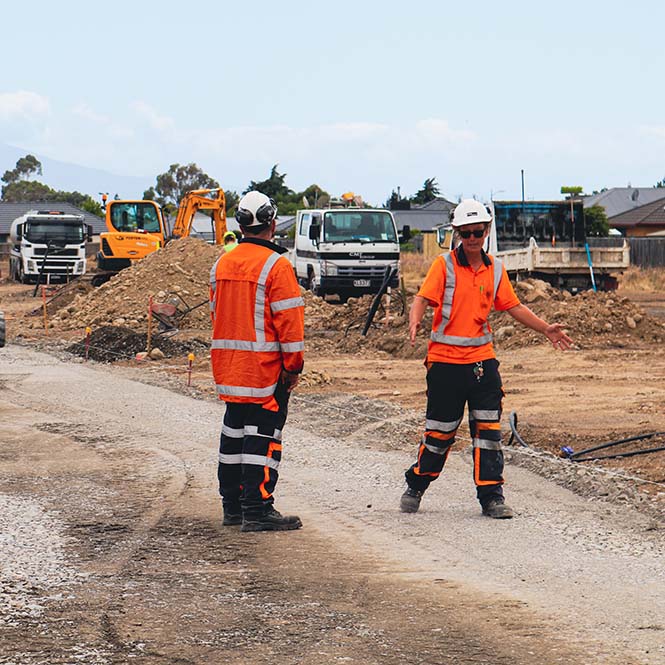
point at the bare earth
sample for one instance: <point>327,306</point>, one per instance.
<point>113,550</point>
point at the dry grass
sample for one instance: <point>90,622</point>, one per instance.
<point>414,268</point>
<point>643,279</point>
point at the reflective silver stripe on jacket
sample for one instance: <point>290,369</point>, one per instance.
<point>442,426</point>
<point>249,430</point>
<point>486,444</point>
<point>246,391</point>
<point>244,458</point>
<point>213,275</point>
<point>287,303</point>
<point>292,347</point>
<point>478,414</point>
<point>260,302</point>
<point>438,334</point>
<point>244,345</point>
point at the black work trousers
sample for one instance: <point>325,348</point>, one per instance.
<point>250,450</point>
<point>449,388</point>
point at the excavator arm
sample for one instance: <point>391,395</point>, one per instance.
<point>201,199</point>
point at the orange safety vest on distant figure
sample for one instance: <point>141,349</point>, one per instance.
<point>258,325</point>
<point>463,299</point>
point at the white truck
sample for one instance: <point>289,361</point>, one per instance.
<point>345,251</point>
<point>48,246</point>
<point>538,239</point>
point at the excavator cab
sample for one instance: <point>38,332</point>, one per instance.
<point>135,229</point>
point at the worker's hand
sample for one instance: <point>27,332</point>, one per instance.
<point>289,379</point>
<point>555,333</point>
<point>414,327</point>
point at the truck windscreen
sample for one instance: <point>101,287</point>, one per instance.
<point>59,233</point>
<point>358,226</point>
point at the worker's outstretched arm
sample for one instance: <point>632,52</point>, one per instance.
<point>553,331</point>
<point>416,314</point>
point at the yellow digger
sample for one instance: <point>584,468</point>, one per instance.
<point>138,228</point>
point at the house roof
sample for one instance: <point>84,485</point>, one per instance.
<point>423,220</point>
<point>10,211</point>
<point>436,205</point>
<point>651,214</point>
<point>619,200</point>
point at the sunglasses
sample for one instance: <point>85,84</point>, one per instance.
<point>476,234</point>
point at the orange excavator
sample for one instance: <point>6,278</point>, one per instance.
<point>138,228</point>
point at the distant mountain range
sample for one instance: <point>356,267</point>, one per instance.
<point>71,177</point>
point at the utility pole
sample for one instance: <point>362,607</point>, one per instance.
<point>522,190</point>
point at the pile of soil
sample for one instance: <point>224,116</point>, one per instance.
<point>177,274</point>
<point>112,343</point>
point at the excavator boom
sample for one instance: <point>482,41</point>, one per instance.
<point>201,199</point>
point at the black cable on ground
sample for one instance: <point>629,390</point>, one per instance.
<point>512,420</point>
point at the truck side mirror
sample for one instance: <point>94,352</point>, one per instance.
<point>89,232</point>
<point>19,231</point>
<point>314,232</point>
<point>406,233</point>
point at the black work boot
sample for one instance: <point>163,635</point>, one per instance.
<point>497,508</point>
<point>272,520</point>
<point>410,501</point>
<point>232,517</point>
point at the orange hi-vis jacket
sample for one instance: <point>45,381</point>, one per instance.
<point>258,322</point>
<point>463,299</point>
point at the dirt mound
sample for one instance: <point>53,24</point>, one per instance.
<point>592,319</point>
<point>178,274</point>
<point>111,343</point>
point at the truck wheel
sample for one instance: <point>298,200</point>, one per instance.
<point>2,330</point>
<point>20,275</point>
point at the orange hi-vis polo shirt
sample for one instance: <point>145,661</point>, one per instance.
<point>463,299</point>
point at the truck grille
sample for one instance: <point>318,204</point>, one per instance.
<point>362,272</point>
<point>40,251</point>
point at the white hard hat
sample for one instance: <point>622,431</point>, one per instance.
<point>255,209</point>
<point>470,211</point>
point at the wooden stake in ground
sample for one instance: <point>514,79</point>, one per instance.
<point>149,340</point>
<point>44,308</point>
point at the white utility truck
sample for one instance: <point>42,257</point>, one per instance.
<point>345,251</point>
<point>547,240</point>
<point>48,246</point>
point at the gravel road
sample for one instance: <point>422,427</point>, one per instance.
<point>108,483</point>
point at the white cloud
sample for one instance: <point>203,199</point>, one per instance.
<point>156,120</point>
<point>23,103</point>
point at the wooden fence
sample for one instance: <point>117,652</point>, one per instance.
<point>647,252</point>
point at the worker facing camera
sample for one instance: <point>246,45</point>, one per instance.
<point>462,369</point>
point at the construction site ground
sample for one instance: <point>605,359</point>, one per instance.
<point>113,546</point>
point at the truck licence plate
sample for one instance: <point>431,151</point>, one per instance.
<point>360,282</point>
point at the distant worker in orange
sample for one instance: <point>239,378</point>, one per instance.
<point>230,241</point>
<point>462,368</point>
<point>257,355</point>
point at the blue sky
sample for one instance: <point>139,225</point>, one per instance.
<point>360,96</point>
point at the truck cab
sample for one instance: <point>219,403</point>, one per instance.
<point>48,245</point>
<point>345,251</point>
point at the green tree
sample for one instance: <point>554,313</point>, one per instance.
<point>27,190</point>
<point>274,186</point>
<point>428,192</point>
<point>397,202</point>
<point>171,186</point>
<point>595,221</point>
<point>660,184</point>
<point>26,167</point>
<point>232,197</point>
